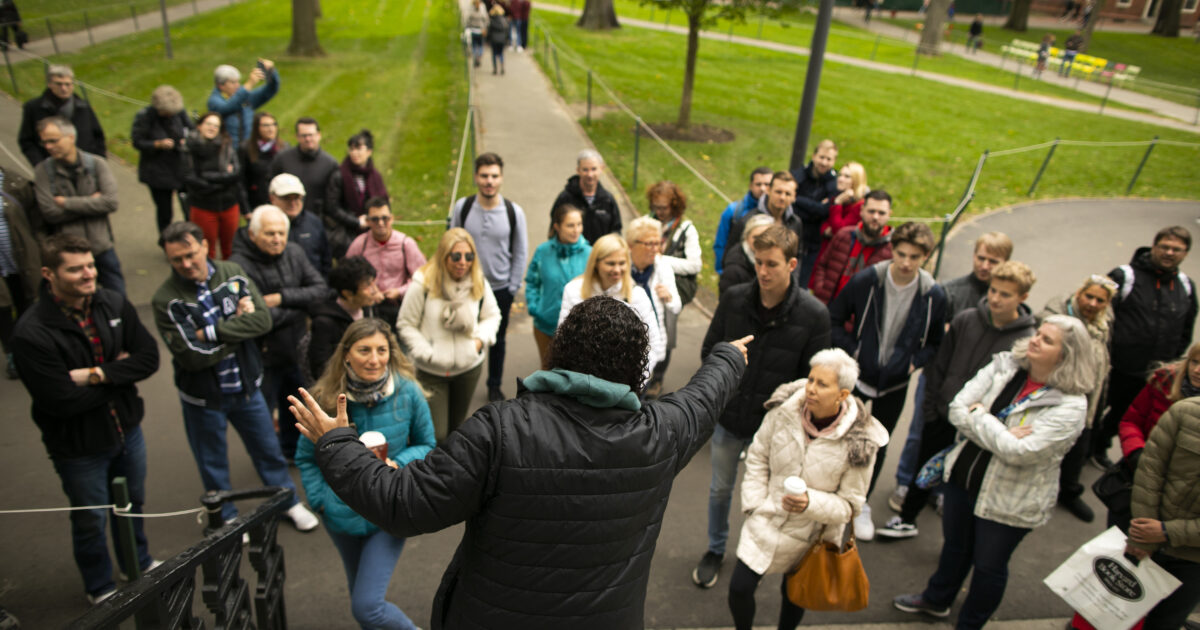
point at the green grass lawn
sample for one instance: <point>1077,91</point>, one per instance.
<point>393,67</point>
<point>66,16</point>
<point>918,139</point>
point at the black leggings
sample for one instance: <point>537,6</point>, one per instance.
<point>741,600</point>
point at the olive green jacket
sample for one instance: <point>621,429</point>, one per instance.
<point>1165,486</point>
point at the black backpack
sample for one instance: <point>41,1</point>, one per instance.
<point>510,211</point>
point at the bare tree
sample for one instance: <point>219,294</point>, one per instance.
<point>935,22</point>
<point>1167,24</point>
<point>304,29</point>
<point>1018,18</point>
<point>598,15</point>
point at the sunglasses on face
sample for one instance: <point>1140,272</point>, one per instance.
<point>458,256</point>
<point>379,219</point>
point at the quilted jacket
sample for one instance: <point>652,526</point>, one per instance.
<point>1165,488</point>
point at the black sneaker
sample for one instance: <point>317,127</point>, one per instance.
<point>1080,509</point>
<point>705,573</point>
<point>897,528</point>
<point>914,603</point>
<point>494,394</point>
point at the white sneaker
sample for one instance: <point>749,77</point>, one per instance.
<point>896,501</point>
<point>154,564</point>
<point>304,520</point>
<point>864,527</point>
<point>96,599</point>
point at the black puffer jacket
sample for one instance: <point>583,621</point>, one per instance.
<point>811,192</point>
<point>89,135</point>
<point>738,269</point>
<point>298,284</point>
<point>314,170</point>
<point>602,217</point>
<point>160,168</point>
<point>563,502</point>
<point>780,352</point>
<point>210,181</point>
<point>256,172</point>
<point>1154,320</point>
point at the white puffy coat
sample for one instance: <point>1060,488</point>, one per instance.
<point>837,469</point>
<point>434,349</point>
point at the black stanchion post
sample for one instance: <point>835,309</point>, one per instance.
<point>589,98</point>
<point>471,137</point>
<point>87,25</point>
<point>11,75</point>
<point>1017,78</point>
<point>875,48</point>
<point>916,58</point>
<point>124,530</point>
<point>761,18</point>
<point>162,7</point>
<point>668,21</point>
<point>730,30</point>
<point>1141,165</point>
<point>133,14</point>
<point>637,141</point>
<point>1042,170</point>
<point>557,70</point>
<point>1107,91</point>
<point>53,39</point>
<point>1196,120</point>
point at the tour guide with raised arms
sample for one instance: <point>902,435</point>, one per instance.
<point>563,488</point>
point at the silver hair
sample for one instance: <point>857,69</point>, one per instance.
<point>753,222</point>
<point>1076,369</point>
<point>59,70</point>
<point>837,360</point>
<point>641,225</point>
<point>226,72</point>
<point>166,100</point>
<point>65,126</point>
<point>589,154</point>
<point>264,212</point>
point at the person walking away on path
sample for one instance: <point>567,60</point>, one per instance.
<point>975,34</point>
<point>1089,304</point>
<point>816,188</point>
<point>1016,419</point>
<point>680,252</point>
<point>1070,50</point>
<point>576,460</point>
<point>477,21</point>
<point>81,350</point>
<point>497,227</point>
<point>212,176</point>
<point>210,314</point>
<point>652,274</point>
<point>286,192</point>
<point>846,209</point>
<point>76,191</point>
<point>855,248</point>
<point>236,102</point>
<point>350,187</point>
<point>740,260</point>
<point>520,22</point>
<point>449,317</point>
<point>159,134</point>
<point>392,253</point>
<point>1043,55</point>
<point>760,181</point>
<point>256,155</point>
<point>789,326</point>
<point>584,191</point>
<point>555,262</point>
<point>892,316</point>
<point>1154,312</point>
<point>975,335</point>
<point>59,99</point>
<point>355,298</point>
<point>817,431</point>
<point>10,25</point>
<point>381,396</point>
<point>20,267</point>
<point>313,166</point>
<point>497,36</point>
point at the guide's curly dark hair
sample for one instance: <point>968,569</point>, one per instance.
<point>605,338</point>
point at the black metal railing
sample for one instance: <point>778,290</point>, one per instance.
<point>164,598</point>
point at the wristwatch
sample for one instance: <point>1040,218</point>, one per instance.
<point>94,377</point>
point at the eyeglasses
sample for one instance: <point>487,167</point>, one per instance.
<point>660,208</point>
<point>654,244</point>
<point>379,219</point>
<point>1170,249</point>
<point>458,256</point>
<point>1104,281</point>
<point>51,141</point>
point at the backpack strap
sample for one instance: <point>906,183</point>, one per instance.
<point>466,209</point>
<point>512,225</point>
<point>1127,281</point>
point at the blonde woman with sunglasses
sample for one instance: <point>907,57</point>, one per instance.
<point>448,319</point>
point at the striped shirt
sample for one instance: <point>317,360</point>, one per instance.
<point>229,375</point>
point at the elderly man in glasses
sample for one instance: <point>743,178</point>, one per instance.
<point>394,254</point>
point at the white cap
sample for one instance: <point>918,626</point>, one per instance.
<point>286,184</point>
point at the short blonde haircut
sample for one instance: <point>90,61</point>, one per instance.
<point>1016,272</point>
<point>995,243</point>
<point>436,274</point>
<point>640,226</point>
<point>604,247</point>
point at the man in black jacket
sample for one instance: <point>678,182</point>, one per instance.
<point>59,100</point>
<point>789,326</point>
<point>290,285</point>
<point>314,166</point>
<point>601,215</point>
<point>286,192</point>
<point>1154,313</point>
<point>563,488</point>
<point>816,185</point>
<point>80,350</point>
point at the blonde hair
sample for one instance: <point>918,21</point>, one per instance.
<point>858,179</point>
<point>436,274</point>
<point>604,247</point>
<point>1016,272</point>
<point>995,243</point>
<point>755,222</point>
<point>642,225</point>
<point>333,380</point>
<point>1181,371</point>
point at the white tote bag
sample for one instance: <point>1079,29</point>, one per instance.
<point>1101,584</point>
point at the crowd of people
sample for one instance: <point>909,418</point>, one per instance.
<point>291,295</point>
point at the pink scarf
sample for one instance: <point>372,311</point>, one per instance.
<point>811,429</point>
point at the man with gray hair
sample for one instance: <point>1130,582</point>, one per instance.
<point>289,284</point>
<point>601,215</point>
<point>236,101</point>
<point>76,192</point>
<point>59,99</point>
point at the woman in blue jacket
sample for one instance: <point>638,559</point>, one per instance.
<point>382,395</point>
<point>554,264</point>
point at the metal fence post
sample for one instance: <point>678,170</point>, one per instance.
<point>637,141</point>
<point>53,39</point>
<point>668,21</point>
<point>87,25</point>
<point>557,70</point>
<point>589,98</point>
<point>1196,120</point>
<point>1141,164</point>
<point>761,18</point>
<point>875,48</point>
<point>1017,78</point>
<point>11,76</point>
<point>916,58</point>
<point>124,530</point>
<point>730,30</point>
<point>133,14</point>
<point>651,13</point>
<point>1042,170</point>
<point>1107,91</point>
<point>162,7</point>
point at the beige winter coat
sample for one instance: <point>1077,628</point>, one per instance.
<point>836,468</point>
<point>423,321</point>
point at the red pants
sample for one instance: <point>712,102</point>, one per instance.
<point>217,226</point>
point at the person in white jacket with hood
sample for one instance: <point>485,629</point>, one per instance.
<point>817,431</point>
<point>652,274</point>
<point>607,273</point>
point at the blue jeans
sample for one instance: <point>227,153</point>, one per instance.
<point>972,542</point>
<point>88,481</point>
<point>108,271</point>
<point>908,466</point>
<point>206,430</point>
<point>725,447</point>
<point>369,562</point>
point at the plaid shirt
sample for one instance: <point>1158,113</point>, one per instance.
<point>83,317</point>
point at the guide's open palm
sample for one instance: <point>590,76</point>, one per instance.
<point>311,420</point>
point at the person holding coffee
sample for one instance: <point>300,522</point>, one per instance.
<point>387,406</point>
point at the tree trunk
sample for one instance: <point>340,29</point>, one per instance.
<point>1090,27</point>
<point>935,23</point>
<point>1167,24</point>
<point>1018,18</point>
<point>304,29</point>
<point>598,15</point>
<point>689,72</point>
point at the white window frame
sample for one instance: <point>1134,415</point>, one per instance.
<point>1194,4</point>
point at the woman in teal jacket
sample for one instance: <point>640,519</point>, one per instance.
<point>555,262</point>
<point>381,395</point>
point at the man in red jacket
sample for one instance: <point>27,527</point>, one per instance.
<point>855,248</point>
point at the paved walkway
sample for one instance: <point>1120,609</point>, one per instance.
<point>1133,98</point>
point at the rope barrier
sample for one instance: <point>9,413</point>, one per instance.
<point>123,510</point>
<point>89,86</point>
<point>20,162</point>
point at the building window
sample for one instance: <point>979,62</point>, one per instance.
<point>1189,6</point>
<point>1124,3</point>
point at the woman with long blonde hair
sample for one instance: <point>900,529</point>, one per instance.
<point>448,319</point>
<point>846,208</point>
<point>607,273</point>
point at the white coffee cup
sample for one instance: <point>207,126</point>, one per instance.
<point>376,442</point>
<point>795,486</point>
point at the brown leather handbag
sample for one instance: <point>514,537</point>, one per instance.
<point>829,578</point>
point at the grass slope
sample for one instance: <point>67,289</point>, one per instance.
<point>67,16</point>
<point>393,66</point>
<point>918,139</point>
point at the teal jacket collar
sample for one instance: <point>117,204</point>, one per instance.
<point>587,389</point>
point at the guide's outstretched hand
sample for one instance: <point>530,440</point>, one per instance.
<point>741,344</point>
<point>311,420</point>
